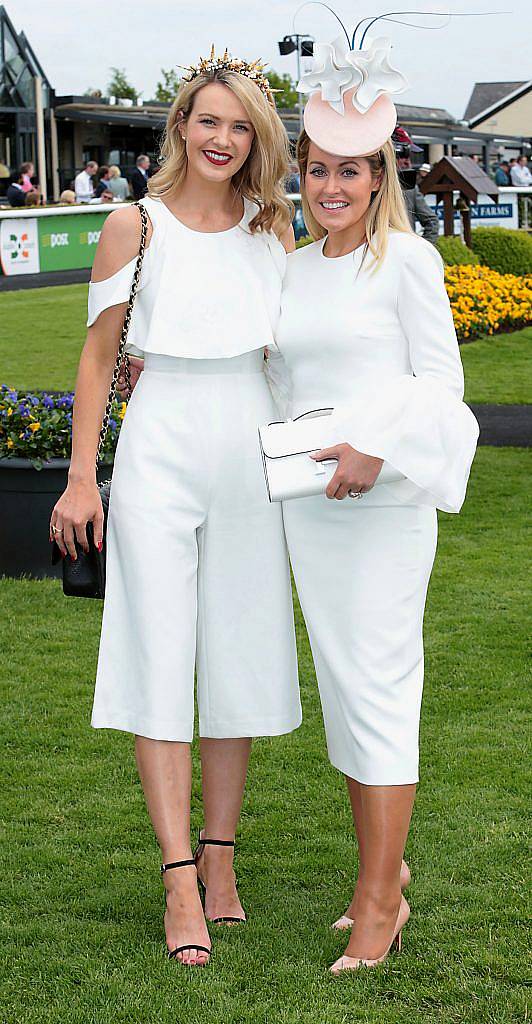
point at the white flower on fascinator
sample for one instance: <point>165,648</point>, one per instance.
<point>336,70</point>
<point>332,73</point>
<point>379,75</point>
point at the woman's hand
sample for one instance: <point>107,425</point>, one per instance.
<point>355,471</point>
<point>79,504</point>
<point>136,367</point>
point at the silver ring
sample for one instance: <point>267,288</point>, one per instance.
<point>355,494</point>
<point>56,530</point>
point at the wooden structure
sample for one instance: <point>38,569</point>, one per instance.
<point>458,174</point>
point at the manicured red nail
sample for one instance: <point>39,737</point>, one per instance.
<point>100,545</point>
<point>63,554</point>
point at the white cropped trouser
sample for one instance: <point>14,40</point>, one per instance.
<point>362,575</point>
<point>197,567</point>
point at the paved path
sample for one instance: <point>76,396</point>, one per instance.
<point>505,424</point>
<point>44,280</point>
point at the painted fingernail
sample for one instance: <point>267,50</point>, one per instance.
<point>100,545</point>
<point>63,554</point>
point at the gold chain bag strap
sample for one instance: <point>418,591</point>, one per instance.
<point>123,336</point>
<point>85,577</point>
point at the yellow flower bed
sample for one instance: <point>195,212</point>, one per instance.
<point>484,301</point>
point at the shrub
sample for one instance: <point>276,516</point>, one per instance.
<point>483,301</point>
<point>503,249</point>
<point>454,252</point>
<point>39,426</point>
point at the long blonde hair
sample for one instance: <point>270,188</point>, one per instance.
<point>261,177</point>
<point>387,206</point>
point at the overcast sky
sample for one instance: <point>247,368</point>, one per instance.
<point>77,42</point>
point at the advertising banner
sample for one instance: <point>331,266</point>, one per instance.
<point>19,246</point>
<point>484,213</point>
<point>68,242</point>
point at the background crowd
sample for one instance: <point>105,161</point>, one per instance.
<point>93,184</point>
<point>106,184</point>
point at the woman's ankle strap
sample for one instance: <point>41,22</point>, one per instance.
<point>176,864</point>
<point>216,842</point>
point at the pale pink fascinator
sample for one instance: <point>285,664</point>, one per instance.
<point>350,111</point>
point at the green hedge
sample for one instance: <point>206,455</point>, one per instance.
<point>504,249</point>
<point>453,251</point>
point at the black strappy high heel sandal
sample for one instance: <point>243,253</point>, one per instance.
<point>190,945</point>
<point>202,843</point>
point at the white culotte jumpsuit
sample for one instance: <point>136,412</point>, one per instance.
<point>380,347</point>
<point>197,568</point>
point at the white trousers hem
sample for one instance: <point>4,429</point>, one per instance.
<point>375,778</point>
<point>235,730</point>
<point>154,730</point>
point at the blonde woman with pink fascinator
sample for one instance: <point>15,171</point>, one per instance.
<point>367,336</point>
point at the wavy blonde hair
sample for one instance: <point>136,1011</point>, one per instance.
<point>261,178</point>
<point>387,207</point>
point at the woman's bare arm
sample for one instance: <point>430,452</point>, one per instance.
<point>80,503</point>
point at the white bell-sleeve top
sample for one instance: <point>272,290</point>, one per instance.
<point>201,295</point>
<point>379,346</point>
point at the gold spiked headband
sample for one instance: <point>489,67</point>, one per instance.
<point>253,71</point>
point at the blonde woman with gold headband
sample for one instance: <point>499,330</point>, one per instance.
<point>197,569</point>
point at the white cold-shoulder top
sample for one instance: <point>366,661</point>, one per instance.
<point>381,349</point>
<point>202,295</point>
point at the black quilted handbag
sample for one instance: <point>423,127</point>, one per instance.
<point>85,577</point>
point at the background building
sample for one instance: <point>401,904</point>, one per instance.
<point>59,134</point>
<point>501,107</point>
<point>26,97</point>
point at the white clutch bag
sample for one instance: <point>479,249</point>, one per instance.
<point>286,447</point>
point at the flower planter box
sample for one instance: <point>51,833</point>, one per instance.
<point>27,497</point>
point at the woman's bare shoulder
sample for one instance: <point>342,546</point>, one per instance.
<point>119,242</point>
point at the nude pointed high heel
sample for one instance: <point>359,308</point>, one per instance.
<point>344,923</point>
<point>354,963</point>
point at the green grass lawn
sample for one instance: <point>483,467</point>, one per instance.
<point>499,368</point>
<point>45,328</point>
<point>81,895</point>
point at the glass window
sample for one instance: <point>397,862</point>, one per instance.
<point>14,62</point>
<point>6,99</point>
<point>26,88</point>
